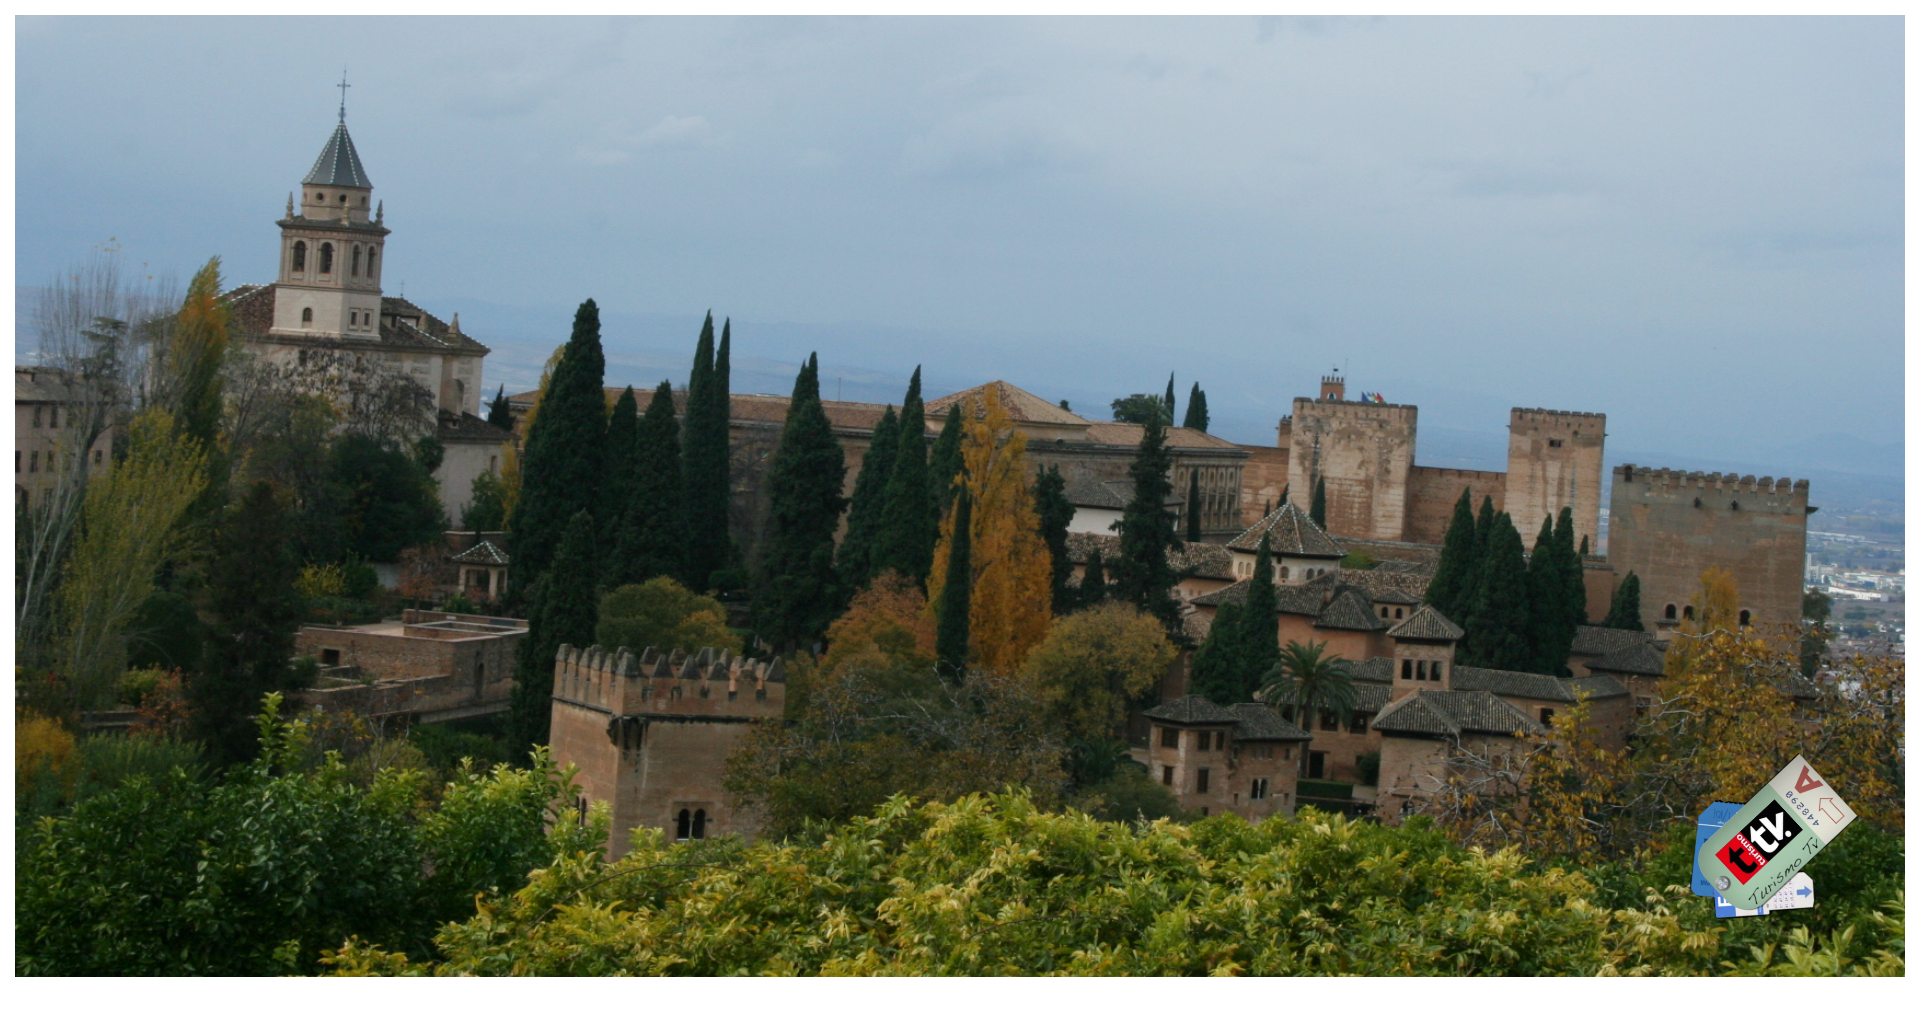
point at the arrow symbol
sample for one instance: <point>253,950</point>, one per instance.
<point>1803,892</point>
<point>1807,781</point>
<point>1831,812</point>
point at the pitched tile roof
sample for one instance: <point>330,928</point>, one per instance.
<point>1377,670</point>
<point>1259,723</point>
<point>466,428</point>
<point>1021,406</point>
<point>339,163</point>
<point>1127,435</point>
<point>483,553</point>
<point>1350,610</point>
<point>1452,712</point>
<point>1603,640</point>
<point>1114,494</point>
<point>1427,624</point>
<point>1198,558</point>
<point>1534,686</point>
<point>1641,659</point>
<point>1191,709</point>
<point>1294,533</point>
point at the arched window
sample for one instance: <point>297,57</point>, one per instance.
<point>1672,612</point>
<point>683,824</point>
<point>299,257</point>
<point>306,316</point>
<point>1746,618</point>
<point>326,257</point>
<point>356,261</point>
<point>372,253</point>
<point>1687,613</point>
<point>700,824</point>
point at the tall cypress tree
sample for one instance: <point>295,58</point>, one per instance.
<point>256,614</point>
<point>617,476</point>
<point>565,608</point>
<point>500,411</point>
<point>1497,624</point>
<point>703,474</point>
<point>798,590</point>
<point>1448,593</point>
<point>1260,643</point>
<point>560,469</point>
<point>1285,490</point>
<point>1141,575</point>
<point>1056,516</point>
<point>1482,540</point>
<point>1549,630</point>
<point>1169,399</point>
<point>1575,572</point>
<point>1193,506</point>
<point>908,528</point>
<point>650,537</point>
<point>1625,610</point>
<point>869,490</point>
<point>944,464</point>
<point>1218,667</point>
<point>1092,588</point>
<point>1318,510</point>
<point>1196,409</point>
<point>952,624</point>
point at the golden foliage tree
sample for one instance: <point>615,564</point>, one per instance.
<point>1012,568</point>
<point>1092,663</point>
<point>129,524</point>
<point>887,622</point>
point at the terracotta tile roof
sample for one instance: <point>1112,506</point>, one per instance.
<point>1294,533</point>
<point>1259,723</point>
<point>49,384</point>
<point>1534,686</point>
<point>1022,406</point>
<point>1641,659</point>
<point>250,312</point>
<point>1452,712</point>
<point>1389,587</point>
<point>1192,709</point>
<point>1197,558</point>
<point>1419,567</point>
<point>1080,545</point>
<point>1113,494</point>
<point>1427,624</point>
<point>1127,435</point>
<point>466,428</point>
<point>1349,610</point>
<point>1376,670</point>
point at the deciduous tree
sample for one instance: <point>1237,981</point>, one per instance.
<point>1094,664</point>
<point>663,614</point>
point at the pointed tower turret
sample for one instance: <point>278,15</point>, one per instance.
<point>331,252</point>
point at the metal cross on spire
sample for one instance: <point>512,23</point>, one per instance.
<point>343,94</point>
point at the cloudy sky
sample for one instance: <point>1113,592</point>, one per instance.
<point>1692,225</point>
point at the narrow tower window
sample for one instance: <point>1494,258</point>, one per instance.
<point>372,254</point>
<point>306,315</point>
<point>356,261</point>
<point>299,257</point>
<point>326,257</point>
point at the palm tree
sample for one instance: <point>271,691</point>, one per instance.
<point>1310,681</point>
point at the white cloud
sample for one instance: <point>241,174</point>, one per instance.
<point>618,142</point>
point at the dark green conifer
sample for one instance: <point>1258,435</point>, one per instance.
<point>1549,629</point>
<point>1447,592</point>
<point>797,593</point>
<point>563,610</point>
<point>1260,642</point>
<point>1169,399</point>
<point>651,540</point>
<point>869,490</point>
<point>703,475</point>
<point>1624,613</point>
<point>1092,588</point>
<point>1575,572</point>
<point>617,478</point>
<point>1141,575</point>
<point>944,464</point>
<point>908,529</point>
<point>1193,506</point>
<point>1482,538</point>
<point>1196,409</point>
<point>1218,666</point>
<point>255,615</point>
<point>1497,623</point>
<point>500,411</point>
<point>1056,516</point>
<point>1285,490</point>
<point>953,623</point>
<point>1318,510</point>
<point>560,468</point>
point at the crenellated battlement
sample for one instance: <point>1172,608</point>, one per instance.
<point>705,682</point>
<point>1558,416</point>
<point>1680,479</point>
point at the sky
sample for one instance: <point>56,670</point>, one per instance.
<point>1692,225</point>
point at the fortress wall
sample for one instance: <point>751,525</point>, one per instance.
<point>1554,461</point>
<point>1364,452</point>
<point>1669,526</point>
<point>1262,480</point>
<point>1431,494</point>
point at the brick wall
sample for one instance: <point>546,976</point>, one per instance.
<point>1431,494</point>
<point>1670,526</point>
<point>1262,480</point>
<point>1364,451</point>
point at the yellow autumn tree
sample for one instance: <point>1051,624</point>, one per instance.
<point>1011,566</point>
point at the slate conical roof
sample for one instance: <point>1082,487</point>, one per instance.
<point>339,163</point>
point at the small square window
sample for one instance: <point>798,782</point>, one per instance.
<point>1166,775</point>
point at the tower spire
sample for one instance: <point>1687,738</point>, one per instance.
<point>343,93</point>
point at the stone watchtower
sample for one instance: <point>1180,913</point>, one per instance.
<point>1554,461</point>
<point>331,252</point>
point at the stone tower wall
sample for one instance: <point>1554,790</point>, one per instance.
<point>1364,450</point>
<point>1554,461</point>
<point>1669,526</point>
<point>1432,492</point>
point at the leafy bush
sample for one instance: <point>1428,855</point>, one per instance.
<point>458,604</point>
<point>661,613</point>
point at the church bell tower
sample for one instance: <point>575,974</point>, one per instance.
<point>332,251</point>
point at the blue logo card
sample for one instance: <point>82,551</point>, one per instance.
<point>1717,814</point>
